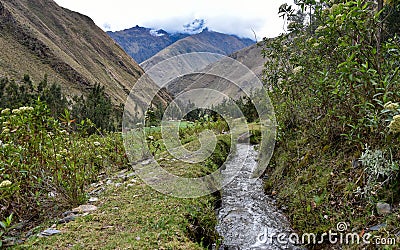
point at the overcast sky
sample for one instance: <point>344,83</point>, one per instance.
<point>226,16</point>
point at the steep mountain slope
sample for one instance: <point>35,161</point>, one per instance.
<point>250,57</point>
<point>142,43</point>
<point>39,37</point>
<point>206,41</point>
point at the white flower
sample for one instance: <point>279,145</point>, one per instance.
<point>319,29</point>
<point>5,111</point>
<point>297,70</point>
<point>5,184</point>
<point>97,144</point>
<point>394,125</point>
<point>16,111</point>
<point>391,106</point>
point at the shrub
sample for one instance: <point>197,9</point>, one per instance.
<point>44,167</point>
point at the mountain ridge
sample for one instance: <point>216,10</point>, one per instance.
<point>141,43</point>
<point>41,38</point>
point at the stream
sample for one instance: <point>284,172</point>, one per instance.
<point>248,219</point>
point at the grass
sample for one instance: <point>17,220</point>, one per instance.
<point>137,217</point>
<point>132,215</point>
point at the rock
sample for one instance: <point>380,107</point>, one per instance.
<point>356,163</point>
<point>244,138</point>
<point>84,209</point>
<point>97,191</point>
<point>130,175</point>
<point>383,208</point>
<point>68,213</point>
<point>93,199</point>
<point>146,162</point>
<point>67,219</point>
<point>96,185</point>
<point>49,232</point>
<point>377,227</point>
<point>123,171</point>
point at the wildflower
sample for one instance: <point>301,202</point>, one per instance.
<point>315,45</point>
<point>151,137</point>
<point>394,125</point>
<point>339,17</point>
<point>5,111</point>
<point>100,157</point>
<point>391,106</point>
<point>26,109</point>
<point>16,111</point>
<point>320,29</point>
<point>297,70</point>
<point>97,144</point>
<point>5,124</point>
<point>5,184</point>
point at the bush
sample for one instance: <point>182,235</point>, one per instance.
<point>44,167</point>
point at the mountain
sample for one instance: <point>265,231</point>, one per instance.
<point>38,37</point>
<point>253,61</point>
<point>142,43</point>
<point>205,41</point>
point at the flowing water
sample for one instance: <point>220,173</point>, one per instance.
<point>248,218</point>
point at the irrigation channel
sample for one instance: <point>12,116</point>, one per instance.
<point>248,218</point>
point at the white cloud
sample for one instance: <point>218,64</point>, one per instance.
<point>233,17</point>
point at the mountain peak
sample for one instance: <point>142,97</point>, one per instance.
<point>196,26</point>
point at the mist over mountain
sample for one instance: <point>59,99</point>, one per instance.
<point>143,43</point>
<point>206,41</point>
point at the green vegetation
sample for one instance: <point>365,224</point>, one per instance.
<point>334,82</point>
<point>96,106</point>
<point>49,158</point>
<point>135,216</point>
<point>45,165</point>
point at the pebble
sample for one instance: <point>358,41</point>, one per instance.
<point>49,232</point>
<point>377,227</point>
<point>383,208</point>
<point>84,209</point>
<point>67,219</point>
<point>130,175</point>
<point>93,199</point>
